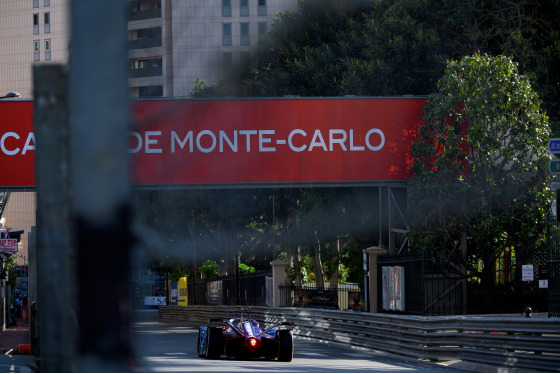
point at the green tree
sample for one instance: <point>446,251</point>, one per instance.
<point>396,47</point>
<point>209,269</point>
<point>480,164</point>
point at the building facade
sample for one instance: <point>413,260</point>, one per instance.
<point>31,32</point>
<point>174,42</point>
<point>171,43</point>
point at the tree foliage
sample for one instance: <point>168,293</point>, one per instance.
<point>396,47</point>
<point>480,162</point>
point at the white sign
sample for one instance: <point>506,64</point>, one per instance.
<point>154,300</point>
<point>8,245</point>
<point>527,272</point>
<point>543,283</point>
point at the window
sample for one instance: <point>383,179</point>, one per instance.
<point>47,49</point>
<point>36,51</point>
<point>261,9</point>
<point>150,91</point>
<point>36,23</point>
<point>226,34</point>
<point>47,3</point>
<point>145,38</point>
<point>47,19</point>
<point>35,3</point>
<point>244,8</point>
<point>146,67</point>
<point>226,8</point>
<point>244,34</point>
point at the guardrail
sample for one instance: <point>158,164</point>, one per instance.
<point>523,343</point>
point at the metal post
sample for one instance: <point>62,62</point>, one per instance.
<point>3,285</point>
<point>55,254</point>
<point>99,109</point>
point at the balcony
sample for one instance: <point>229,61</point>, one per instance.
<point>148,71</point>
<point>144,43</point>
<point>144,14</point>
<point>146,67</point>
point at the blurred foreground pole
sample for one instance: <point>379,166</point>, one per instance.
<point>56,293</point>
<point>99,120</point>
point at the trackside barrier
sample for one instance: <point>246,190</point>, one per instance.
<point>523,343</point>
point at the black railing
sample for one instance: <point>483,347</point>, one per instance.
<point>432,286</point>
<point>343,297</point>
<point>149,71</point>
<point>144,43</point>
<point>144,14</point>
<point>251,290</point>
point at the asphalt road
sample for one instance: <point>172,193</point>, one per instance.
<point>171,347</point>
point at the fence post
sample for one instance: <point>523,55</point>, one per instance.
<point>373,253</point>
<point>55,254</point>
<point>278,277</point>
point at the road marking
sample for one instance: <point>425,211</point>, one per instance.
<point>14,369</point>
<point>312,354</point>
<point>175,353</point>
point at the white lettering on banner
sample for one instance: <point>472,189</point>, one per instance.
<point>149,141</point>
<point>333,140</point>
<point>206,141</point>
<point>381,144</point>
<point>28,146</point>
<point>291,144</point>
<point>352,146</point>
<point>200,147</point>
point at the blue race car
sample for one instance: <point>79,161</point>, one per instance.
<point>243,338</point>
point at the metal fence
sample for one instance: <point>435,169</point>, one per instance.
<point>343,297</point>
<point>414,284</point>
<point>432,286</point>
<point>508,342</point>
<point>246,289</point>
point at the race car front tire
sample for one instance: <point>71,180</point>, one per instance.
<point>286,351</point>
<point>214,349</point>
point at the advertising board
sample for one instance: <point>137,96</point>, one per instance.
<point>244,141</point>
<point>8,245</point>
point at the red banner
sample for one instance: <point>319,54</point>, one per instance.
<point>245,141</point>
<point>17,144</point>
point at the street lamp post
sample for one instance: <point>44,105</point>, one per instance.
<point>10,94</point>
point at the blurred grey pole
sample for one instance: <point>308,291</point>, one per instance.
<point>99,120</point>
<point>56,294</point>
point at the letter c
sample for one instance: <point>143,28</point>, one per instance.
<point>296,149</point>
<point>6,135</point>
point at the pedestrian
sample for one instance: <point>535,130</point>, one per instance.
<point>24,310</point>
<point>18,305</point>
<point>12,315</point>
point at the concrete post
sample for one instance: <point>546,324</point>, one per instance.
<point>101,210</point>
<point>55,254</point>
<point>278,278</point>
<point>373,253</point>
